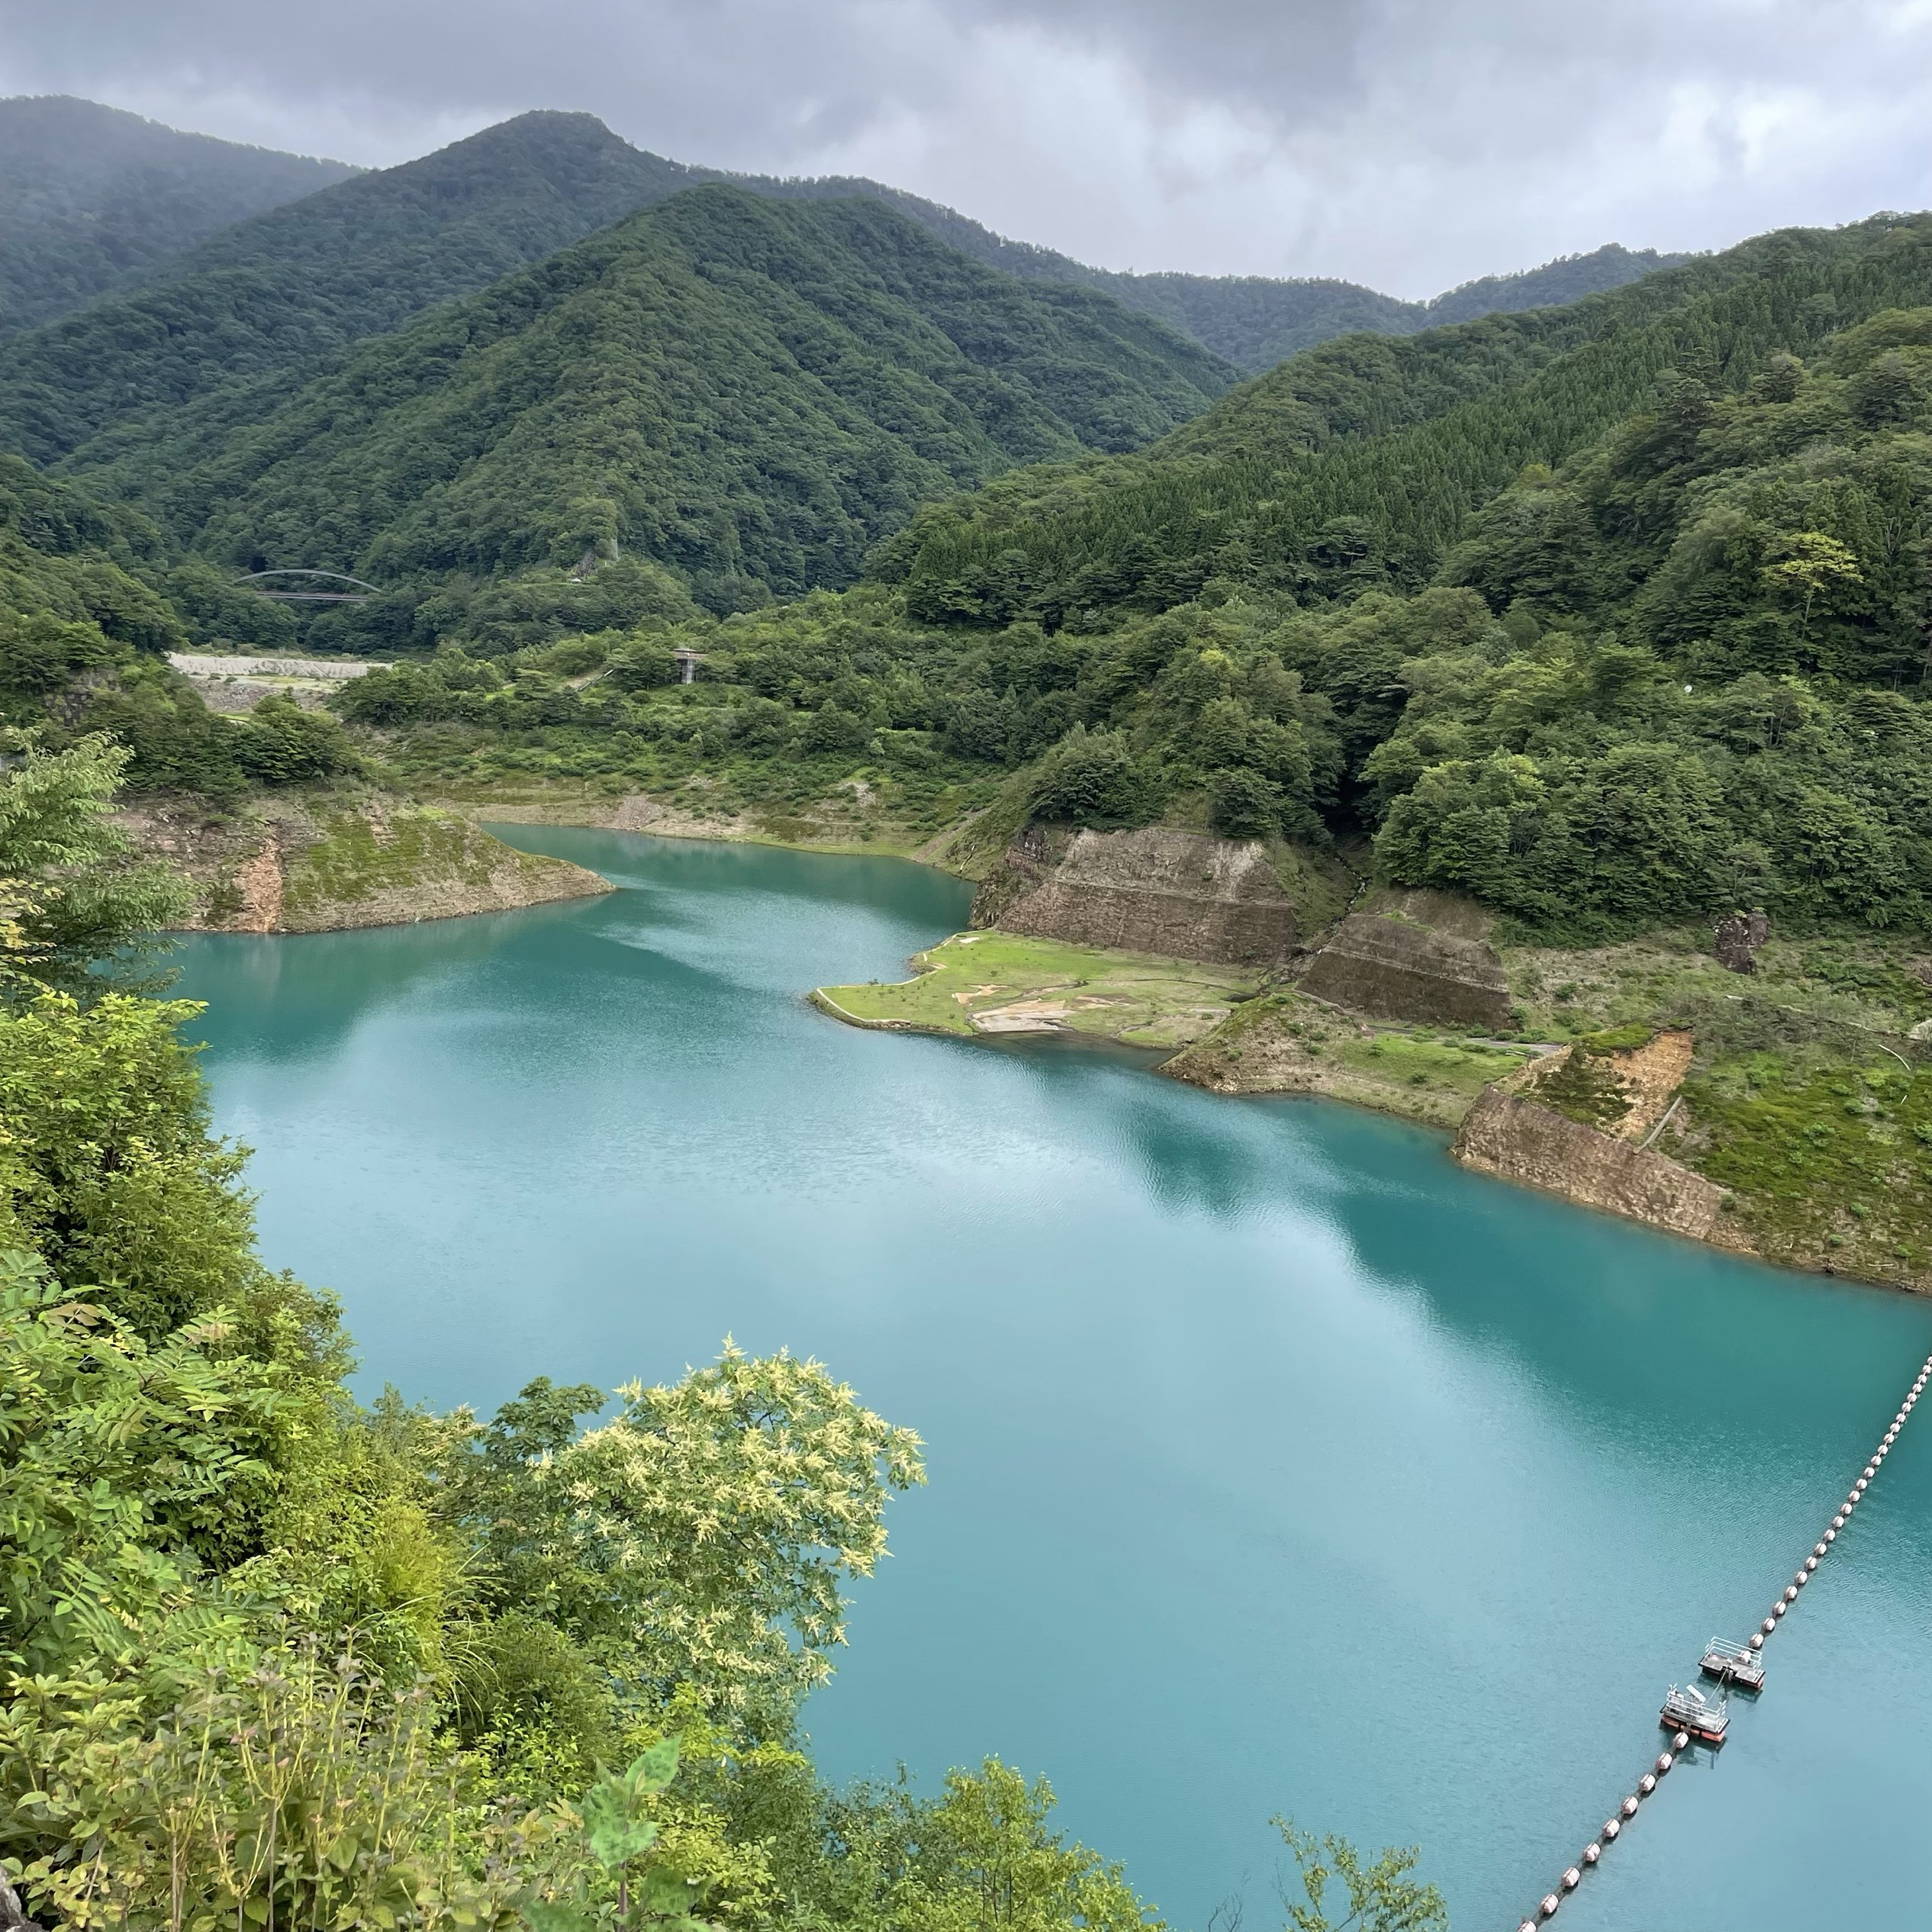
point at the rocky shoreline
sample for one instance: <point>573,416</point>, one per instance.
<point>332,864</point>
<point>1399,1001</point>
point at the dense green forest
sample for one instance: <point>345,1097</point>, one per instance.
<point>255,310</point>
<point>1256,321</point>
<point>1604,615</point>
<point>748,392</point>
<point>1353,466</point>
<point>91,199</point>
<point>1682,669</point>
<point>266,301</point>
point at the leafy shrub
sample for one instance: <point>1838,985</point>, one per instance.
<point>1094,779</point>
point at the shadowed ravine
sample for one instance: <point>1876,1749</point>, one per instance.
<point>1276,1464</point>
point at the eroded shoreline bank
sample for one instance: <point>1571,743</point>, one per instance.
<point>1248,1027</point>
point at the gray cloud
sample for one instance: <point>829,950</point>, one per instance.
<point>1409,143</point>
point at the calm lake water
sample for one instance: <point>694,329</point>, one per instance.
<point>1276,1464</point>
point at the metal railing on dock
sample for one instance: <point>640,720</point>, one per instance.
<point>1747,1659</point>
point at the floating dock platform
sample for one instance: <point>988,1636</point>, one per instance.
<point>1733,1663</point>
<point>1688,1710</point>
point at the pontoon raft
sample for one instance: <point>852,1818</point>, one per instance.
<point>1688,1710</point>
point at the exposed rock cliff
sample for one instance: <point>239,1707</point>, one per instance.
<point>1180,894</point>
<point>288,865</point>
<point>1516,1139</point>
<point>1397,966</point>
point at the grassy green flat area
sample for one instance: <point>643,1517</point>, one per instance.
<point>1287,1043</point>
<point>979,984</point>
<point>1808,1101</point>
<point>1829,1167</point>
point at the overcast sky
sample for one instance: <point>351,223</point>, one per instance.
<point>1410,144</point>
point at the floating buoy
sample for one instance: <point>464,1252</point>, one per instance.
<point>1628,1808</point>
<point>1550,1902</point>
<point>1791,1594</point>
<point>1572,1879</point>
<point>1663,1762</point>
<point>1831,1534</point>
<point>1837,1524</point>
<point>1777,1608</point>
<point>1810,1562</point>
<point>1591,1854</point>
<point>1769,1628</point>
<point>1647,1784</point>
<point>1863,1483</point>
<point>1681,1741</point>
<point>1612,1827</point>
<point>1819,1550</point>
<point>1798,1582</point>
<point>1527,1925</point>
<point>1757,1641</point>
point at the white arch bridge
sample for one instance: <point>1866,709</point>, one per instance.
<point>360,593</point>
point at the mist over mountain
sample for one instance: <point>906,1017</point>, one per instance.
<point>91,199</point>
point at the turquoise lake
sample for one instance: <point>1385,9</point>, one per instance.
<point>1277,1465</point>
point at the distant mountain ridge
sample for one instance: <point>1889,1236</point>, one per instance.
<point>92,198</point>
<point>409,237</point>
<point>1256,321</point>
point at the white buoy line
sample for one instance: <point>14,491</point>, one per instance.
<point>1548,1905</point>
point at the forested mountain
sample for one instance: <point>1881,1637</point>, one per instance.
<point>1609,615</point>
<point>1353,466</point>
<point>91,199</point>
<point>750,393</point>
<point>267,302</point>
<point>1567,279</point>
<point>1253,321</point>
<point>1256,321</point>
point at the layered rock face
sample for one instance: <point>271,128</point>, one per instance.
<point>1517,1140</point>
<point>1180,894</point>
<point>1397,969</point>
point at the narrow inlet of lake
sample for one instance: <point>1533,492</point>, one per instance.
<point>1277,1465</point>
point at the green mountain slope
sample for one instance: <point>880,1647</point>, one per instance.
<point>1681,668</point>
<point>1353,466</point>
<point>748,392</point>
<point>91,199</point>
<point>268,301</point>
<point>1567,279</point>
<point>266,304</point>
<point>1253,321</point>
<point>1258,321</point>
